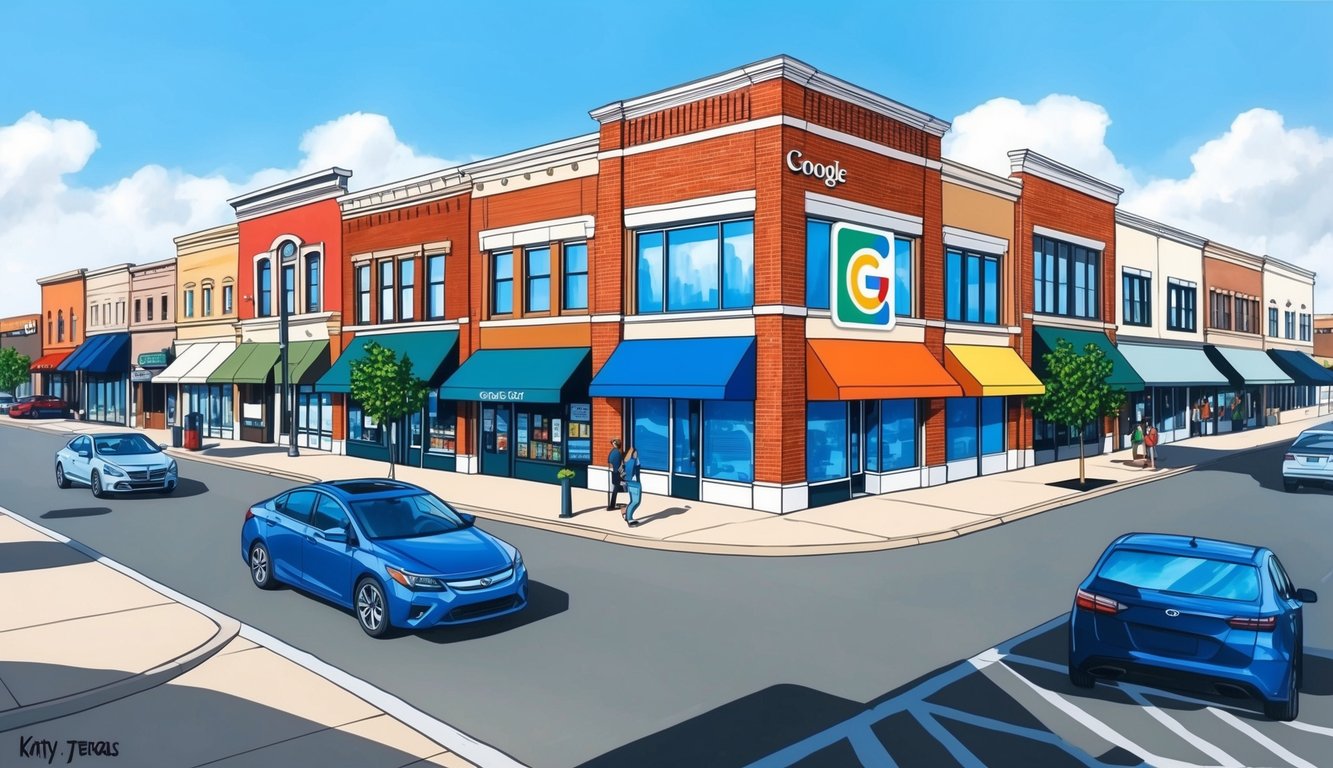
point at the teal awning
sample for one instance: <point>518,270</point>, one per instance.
<point>427,350</point>
<point>1244,367</point>
<point>1123,375</point>
<point>1163,365</point>
<point>517,375</point>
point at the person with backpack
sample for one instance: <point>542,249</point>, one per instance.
<point>1150,445</point>
<point>1136,441</point>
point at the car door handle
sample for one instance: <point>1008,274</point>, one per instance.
<point>270,522</point>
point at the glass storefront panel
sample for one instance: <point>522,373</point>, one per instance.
<point>443,423</point>
<point>314,419</point>
<point>960,436</point>
<point>685,442</point>
<point>728,440</point>
<point>825,441</point>
<point>650,432</point>
<point>992,425</point>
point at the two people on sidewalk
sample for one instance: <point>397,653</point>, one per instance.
<point>625,472</point>
<point>1144,443</point>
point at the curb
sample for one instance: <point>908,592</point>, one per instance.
<point>203,458</point>
<point>227,630</point>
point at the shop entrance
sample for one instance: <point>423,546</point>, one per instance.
<point>685,449</point>
<point>496,457</point>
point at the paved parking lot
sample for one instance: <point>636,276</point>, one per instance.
<point>1013,705</point>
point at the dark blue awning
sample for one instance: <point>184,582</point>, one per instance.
<point>696,369</point>
<point>102,354</point>
<point>1301,367</point>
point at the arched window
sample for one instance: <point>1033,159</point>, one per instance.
<point>312,282</point>
<point>73,325</point>
<point>265,289</point>
<point>60,325</point>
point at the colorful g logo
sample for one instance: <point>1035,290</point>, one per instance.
<point>862,280</point>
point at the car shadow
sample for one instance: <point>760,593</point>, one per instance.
<point>185,488</point>
<point>1264,466</point>
<point>241,452</point>
<point>20,556</point>
<point>60,514</point>
<point>544,601</point>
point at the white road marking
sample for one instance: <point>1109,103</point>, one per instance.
<point>1173,725</point>
<point>947,740</point>
<point>1261,740</point>
<point>1319,729</point>
<point>1327,576</point>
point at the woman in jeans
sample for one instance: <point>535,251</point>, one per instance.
<point>631,475</point>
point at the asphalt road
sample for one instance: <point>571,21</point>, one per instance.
<point>639,657</point>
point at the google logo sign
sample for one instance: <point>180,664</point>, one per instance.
<point>862,279</point>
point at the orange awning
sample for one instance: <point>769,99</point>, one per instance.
<point>49,362</point>
<point>845,369</point>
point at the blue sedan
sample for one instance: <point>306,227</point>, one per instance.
<point>1192,613</point>
<point>394,553</point>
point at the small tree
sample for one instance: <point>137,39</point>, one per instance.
<point>13,369</point>
<point>1076,391</point>
<point>387,390</point>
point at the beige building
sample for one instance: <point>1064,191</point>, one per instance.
<point>102,362</point>
<point>1288,305</point>
<point>204,308</point>
<point>152,333</point>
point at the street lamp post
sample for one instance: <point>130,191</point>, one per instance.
<point>286,253</point>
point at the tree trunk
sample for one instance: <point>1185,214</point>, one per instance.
<point>1082,476</point>
<point>392,429</point>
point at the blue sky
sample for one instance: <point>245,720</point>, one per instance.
<point>169,103</point>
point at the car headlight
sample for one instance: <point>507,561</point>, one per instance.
<point>414,581</point>
<point>518,558</point>
<point>113,470</point>
<point>171,468</point>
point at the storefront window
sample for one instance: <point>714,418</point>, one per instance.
<point>650,421</point>
<point>818,238</point>
<point>825,441</point>
<point>443,423</point>
<point>992,425</point>
<point>361,427</point>
<point>898,434</point>
<point>738,265</point>
<point>541,433</point>
<point>960,436</point>
<point>684,438</point>
<point>699,268</point>
<point>729,440</point>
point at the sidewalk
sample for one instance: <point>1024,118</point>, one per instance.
<point>867,523</point>
<point>97,666</point>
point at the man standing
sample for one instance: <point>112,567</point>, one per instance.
<point>616,462</point>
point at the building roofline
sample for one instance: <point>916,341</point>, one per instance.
<point>982,181</point>
<point>533,158</point>
<point>1289,267</point>
<point>1041,166</point>
<point>1152,227</point>
<point>291,193</point>
<point>123,267</point>
<point>62,277</point>
<point>137,268</point>
<point>418,189</point>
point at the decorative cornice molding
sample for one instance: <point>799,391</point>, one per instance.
<point>954,172</point>
<point>399,194</point>
<point>62,277</point>
<point>137,269</point>
<point>207,239</point>
<point>1027,161</point>
<point>321,185</point>
<point>108,270</point>
<point>782,66</point>
<point>1278,265</point>
<point>1143,224</point>
<point>578,149</point>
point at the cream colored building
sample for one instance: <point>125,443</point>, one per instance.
<point>103,369</point>
<point>1288,309</point>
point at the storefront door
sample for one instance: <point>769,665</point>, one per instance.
<point>685,449</point>
<point>856,423</point>
<point>496,457</point>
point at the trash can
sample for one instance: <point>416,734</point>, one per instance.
<point>194,423</point>
<point>176,435</point>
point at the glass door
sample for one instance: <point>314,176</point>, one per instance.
<point>496,457</point>
<point>685,449</point>
<point>857,426</point>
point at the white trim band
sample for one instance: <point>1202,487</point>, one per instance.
<point>538,232</point>
<point>1086,242</point>
<point>975,241</point>
<point>715,206</point>
<point>859,213</point>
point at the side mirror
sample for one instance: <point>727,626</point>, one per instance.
<point>336,535</point>
<point>84,453</point>
<point>468,520</point>
<point>1307,596</point>
<point>161,446</point>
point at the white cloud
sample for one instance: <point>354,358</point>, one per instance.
<point>1260,186</point>
<point>49,224</point>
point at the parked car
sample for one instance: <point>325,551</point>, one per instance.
<point>1309,461</point>
<point>1191,613</point>
<point>39,407</point>
<point>394,553</point>
<point>116,462</point>
<point>6,400</point>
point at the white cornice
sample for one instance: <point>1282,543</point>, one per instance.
<point>1134,221</point>
<point>784,67</point>
<point>577,149</point>
<point>320,185</point>
<point>102,271</point>
<point>398,194</point>
<point>160,264</point>
<point>1215,250</point>
<point>1027,161</point>
<point>955,172</point>
<point>207,239</point>
<point>62,277</point>
<point>1297,273</point>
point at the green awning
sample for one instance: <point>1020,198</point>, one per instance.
<point>1123,375</point>
<point>308,360</point>
<point>516,375</point>
<point>427,350</point>
<point>250,363</point>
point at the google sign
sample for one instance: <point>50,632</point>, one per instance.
<point>833,175</point>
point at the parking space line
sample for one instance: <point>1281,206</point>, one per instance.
<point>794,753</point>
<point>1032,734</point>
<point>1308,728</point>
<point>1049,666</point>
<point>1173,725</point>
<point>870,751</point>
<point>1008,645</point>
<point>1260,739</point>
<point>947,740</point>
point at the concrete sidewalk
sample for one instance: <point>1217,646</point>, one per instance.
<point>863,524</point>
<point>98,666</point>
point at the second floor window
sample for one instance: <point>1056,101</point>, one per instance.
<point>137,306</point>
<point>60,325</point>
<point>386,291</point>
<point>1136,293</point>
<point>575,293</point>
<point>1181,300</point>
<point>1272,321</point>
<point>1219,310</point>
<point>1247,315</point>
<point>363,294</point>
<point>206,294</point>
<point>96,318</point>
<point>150,308</point>
<point>226,299</point>
<point>1067,279</point>
<point>537,270</point>
<point>696,268</point>
<point>1288,325</point>
<point>435,286</point>
<point>407,283</point>
<point>502,283</point>
<point>1307,329</point>
<point>312,282</point>
<point>188,301</point>
<point>163,316</point>
<point>971,287</point>
<point>289,288</point>
<point>265,308</point>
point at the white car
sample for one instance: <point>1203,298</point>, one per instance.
<point>1309,460</point>
<point>116,462</point>
<point>6,400</point>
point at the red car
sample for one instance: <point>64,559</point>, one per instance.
<point>39,407</point>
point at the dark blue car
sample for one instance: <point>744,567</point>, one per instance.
<point>394,553</point>
<point>1191,613</point>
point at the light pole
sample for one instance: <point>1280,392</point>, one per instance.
<point>286,253</point>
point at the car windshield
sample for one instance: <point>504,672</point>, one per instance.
<point>1317,441</point>
<point>123,445</point>
<point>6,398</point>
<point>405,517</point>
<point>1182,574</point>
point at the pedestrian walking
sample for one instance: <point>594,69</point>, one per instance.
<point>1150,445</point>
<point>1206,416</point>
<point>615,461</point>
<point>1196,427</point>
<point>1136,441</point>
<point>633,485</point>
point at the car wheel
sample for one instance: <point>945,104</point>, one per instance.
<point>261,567</point>
<point>1080,679</point>
<point>372,609</point>
<point>170,489</point>
<point>96,484</point>
<point>1286,711</point>
<point>1290,485</point>
<point>61,480</point>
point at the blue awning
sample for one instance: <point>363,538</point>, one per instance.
<point>1246,367</point>
<point>102,354</point>
<point>1304,369</point>
<point>696,369</point>
<point>426,349</point>
<point>519,375</point>
<point>1161,365</point>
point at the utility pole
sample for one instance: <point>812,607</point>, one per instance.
<point>287,252</point>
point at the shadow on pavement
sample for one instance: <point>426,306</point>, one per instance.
<point>241,452</point>
<point>544,601</point>
<point>1264,465</point>
<point>19,556</point>
<point>173,725</point>
<point>662,514</point>
<point>58,514</point>
<point>1089,484</point>
<point>185,488</point>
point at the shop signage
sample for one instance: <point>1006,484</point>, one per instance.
<point>861,285</point>
<point>153,360</point>
<point>831,175</point>
<point>139,374</point>
<point>506,395</point>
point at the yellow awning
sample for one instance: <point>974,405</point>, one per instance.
<point>990,371</point>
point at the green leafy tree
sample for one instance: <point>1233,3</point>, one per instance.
<point>1076,391</point>
<point>13,369</point>
<point>387,390</point>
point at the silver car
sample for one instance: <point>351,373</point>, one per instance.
<point>1309,460</point>
<point>6,400</point>
<point>116,462</point>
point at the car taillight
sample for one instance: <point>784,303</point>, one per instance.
<point>1289,457</point>
<point>1262,624</point>
<point>1097,604</point>
<point>249,513</point>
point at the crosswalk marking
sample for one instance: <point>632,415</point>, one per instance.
<point>1262,740</point>
<point>992,724</point>
<point>1208,748</point>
